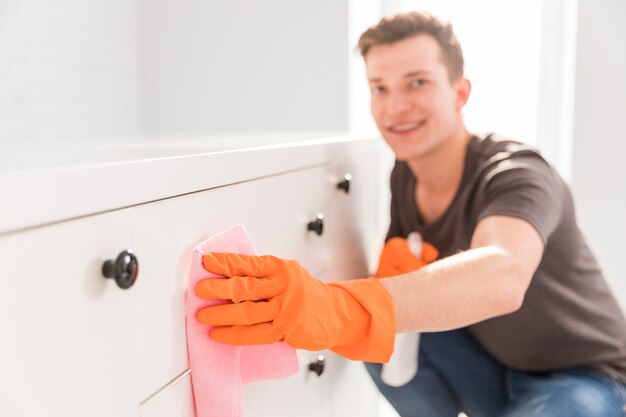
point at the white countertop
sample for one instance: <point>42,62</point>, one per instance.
<point>43,155</point>
<point>42,183</point>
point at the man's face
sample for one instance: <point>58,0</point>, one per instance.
<point>414,104</point>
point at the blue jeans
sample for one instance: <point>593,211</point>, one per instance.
<point>457,375</point>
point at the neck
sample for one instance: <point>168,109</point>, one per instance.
<point>441,170</point>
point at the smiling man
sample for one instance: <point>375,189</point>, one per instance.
<point>515,315</point>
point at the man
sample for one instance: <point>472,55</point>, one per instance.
<point>516,318</point>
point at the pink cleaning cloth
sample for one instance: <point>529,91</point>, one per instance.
<point>218,371</point>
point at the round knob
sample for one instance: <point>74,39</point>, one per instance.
<point>345,183</point>
<point>124,269</point>
<point>317,225</point>
<point>318,366</point>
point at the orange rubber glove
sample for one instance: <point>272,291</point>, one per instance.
<point>396,258</point>
<point>278,300</point>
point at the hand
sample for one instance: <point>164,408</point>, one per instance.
<point>396,258</point>
<point>278,300</point>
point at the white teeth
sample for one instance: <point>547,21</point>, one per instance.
<point>404,128</point>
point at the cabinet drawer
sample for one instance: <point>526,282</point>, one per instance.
<point>68,333</point>
<point>275,211</point>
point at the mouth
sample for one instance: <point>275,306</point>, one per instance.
<point>403,128</point>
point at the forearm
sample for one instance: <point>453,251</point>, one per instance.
<point>457,291</point>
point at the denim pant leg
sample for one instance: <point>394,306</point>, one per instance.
<point>455,374</point>
<point>572,392</point>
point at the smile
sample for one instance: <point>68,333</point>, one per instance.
<point>406,127</point>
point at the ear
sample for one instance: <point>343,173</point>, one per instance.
<point>463,89</point>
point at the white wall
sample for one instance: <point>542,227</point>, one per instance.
<point>244,65</point>
<point>68,70</point>
<point>362,15</point>
<point>599,144</point>
<point>112,70</point>
<point>557,69</point>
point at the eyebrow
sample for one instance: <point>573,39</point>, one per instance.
<point>408,75</point>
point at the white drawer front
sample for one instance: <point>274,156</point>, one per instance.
<point>68,333</point>
<point>274,210</point>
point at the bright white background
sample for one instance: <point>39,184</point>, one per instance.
<point>599,142</point>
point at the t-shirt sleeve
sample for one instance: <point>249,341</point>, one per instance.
<point>523,187</point>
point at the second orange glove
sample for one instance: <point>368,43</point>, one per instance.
<point>278,300</point>
<point>396,257</point>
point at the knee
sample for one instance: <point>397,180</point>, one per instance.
<point>589,400</point>
<point>596,401</point>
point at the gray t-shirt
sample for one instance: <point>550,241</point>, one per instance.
<point>569,316</point>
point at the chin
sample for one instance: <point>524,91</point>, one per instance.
<point>409,147</point>
<point>405,153</point>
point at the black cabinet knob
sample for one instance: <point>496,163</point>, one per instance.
<point>345,183</point>
<point>123,270</point>
<point>318,366</point>
<point>317,225</point>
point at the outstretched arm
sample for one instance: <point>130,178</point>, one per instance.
<point>278,300</point>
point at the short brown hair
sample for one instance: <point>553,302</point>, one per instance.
<point>402,26</point>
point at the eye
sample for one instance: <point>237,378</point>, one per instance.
<point>377,89</point>
<point>418,82</point>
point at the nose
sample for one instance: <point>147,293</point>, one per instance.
<point>397,103</point>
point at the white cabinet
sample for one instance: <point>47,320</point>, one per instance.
<point>81,346</point>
